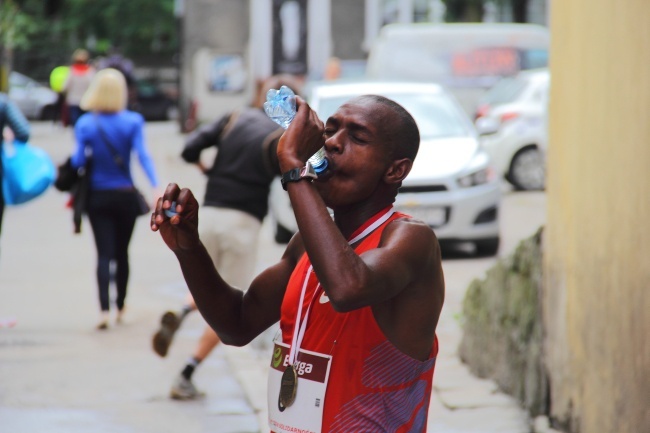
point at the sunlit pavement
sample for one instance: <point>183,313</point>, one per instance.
<point>58,374</point>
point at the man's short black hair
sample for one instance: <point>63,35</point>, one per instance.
<point>405,138</point>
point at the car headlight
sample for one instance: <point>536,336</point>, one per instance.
<point>476,178</point>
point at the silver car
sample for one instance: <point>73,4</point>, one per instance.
<point>511,119</point>
<point>35,100</point>
<point>452,186</point>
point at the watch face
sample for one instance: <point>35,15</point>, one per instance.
<point>308,171</point>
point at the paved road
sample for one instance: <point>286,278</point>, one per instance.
<point>57,374</point>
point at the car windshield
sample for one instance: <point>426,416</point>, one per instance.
<point>435,115</point>
<point>505,91</point>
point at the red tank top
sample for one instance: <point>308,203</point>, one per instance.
<point>372,387</point>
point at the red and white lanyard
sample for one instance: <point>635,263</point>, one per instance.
<point>299,331</point>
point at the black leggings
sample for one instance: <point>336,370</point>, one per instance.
<point>112,217</point>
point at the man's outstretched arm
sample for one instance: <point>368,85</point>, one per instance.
<point>236,317</point>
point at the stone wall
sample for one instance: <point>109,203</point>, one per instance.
<point>502,326</point>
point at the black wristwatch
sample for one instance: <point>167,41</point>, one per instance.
<point>297,174</point>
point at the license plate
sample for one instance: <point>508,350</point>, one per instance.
<point>433,216</point>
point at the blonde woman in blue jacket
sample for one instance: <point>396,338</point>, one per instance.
<point>111,134</point>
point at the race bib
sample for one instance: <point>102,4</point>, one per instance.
<point>305,415</point>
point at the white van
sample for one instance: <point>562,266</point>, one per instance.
<point>466,58</point>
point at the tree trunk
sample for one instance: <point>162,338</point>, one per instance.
<point>5,67</point>
<point>4,72</point>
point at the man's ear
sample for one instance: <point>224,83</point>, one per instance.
<point>398,170</point>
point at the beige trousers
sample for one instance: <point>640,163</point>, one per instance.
<point>231,238</point>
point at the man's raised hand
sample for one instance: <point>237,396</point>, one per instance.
<point>178,227</point>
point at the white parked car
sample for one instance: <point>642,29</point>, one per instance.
<point>511,121</point>
<point>35,100</point>
<point>451,187</point>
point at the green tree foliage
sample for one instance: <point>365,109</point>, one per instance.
<point>137,27</point>
<point>143,30</point>
<point>15,26</point>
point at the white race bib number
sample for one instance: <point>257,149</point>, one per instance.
<point>305,415</point>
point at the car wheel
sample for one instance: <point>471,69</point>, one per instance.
<point>282,234</point>
<point>527,170</point>
<point>487,247</point>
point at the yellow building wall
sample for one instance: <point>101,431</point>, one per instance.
<point>597,240</point>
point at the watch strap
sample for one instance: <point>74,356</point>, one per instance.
<point>297,174</point>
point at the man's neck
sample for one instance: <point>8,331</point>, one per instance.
<point>349,220</point>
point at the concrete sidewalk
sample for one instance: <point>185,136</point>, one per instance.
<point>57,374</point>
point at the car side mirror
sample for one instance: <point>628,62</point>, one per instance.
<point>487,126</point>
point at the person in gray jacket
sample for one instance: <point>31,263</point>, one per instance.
<point>235,203</point>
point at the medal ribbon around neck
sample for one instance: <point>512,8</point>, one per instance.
<point>299,331</point>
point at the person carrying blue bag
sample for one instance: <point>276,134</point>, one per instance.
<point>13,118</point>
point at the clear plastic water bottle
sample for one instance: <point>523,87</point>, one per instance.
<point>280,106</point>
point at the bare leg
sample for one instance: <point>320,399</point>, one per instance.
<point>208,341</point>
<point>230,237</point>
<point>183,388</point>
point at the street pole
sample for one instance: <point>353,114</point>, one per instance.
<point>372,23</point>
<point>405,11</point>
<point>179,13</point>
<point>319,36</point>
<point>260,40</point>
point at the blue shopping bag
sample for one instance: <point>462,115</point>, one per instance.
<point>28,172</point>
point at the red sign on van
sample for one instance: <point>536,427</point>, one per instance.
<point>486,62</point>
